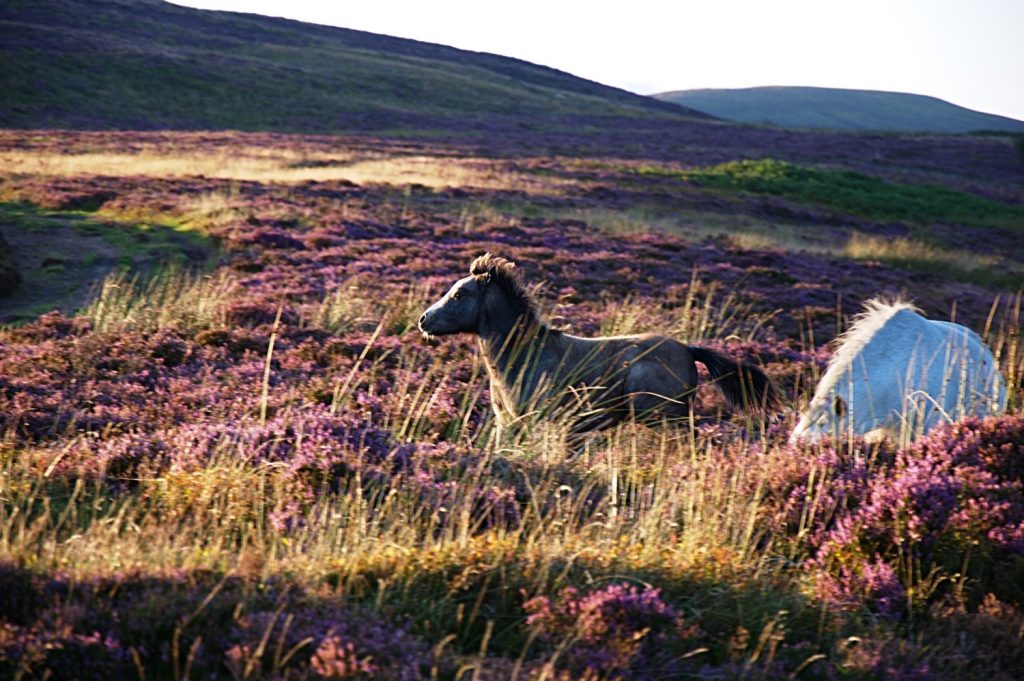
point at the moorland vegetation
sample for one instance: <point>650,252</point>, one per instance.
<point>248,463</point>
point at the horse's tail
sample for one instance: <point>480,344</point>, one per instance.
<point>743,385</point>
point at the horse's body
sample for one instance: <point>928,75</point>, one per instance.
<point>594,382</point>
<point>899,374</point>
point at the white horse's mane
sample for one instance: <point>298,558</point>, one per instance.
<point>849,344</point>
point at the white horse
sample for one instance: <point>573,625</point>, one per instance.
<point>898,374</point>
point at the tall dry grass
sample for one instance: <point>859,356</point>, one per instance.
<point>678,504</point>
<point>621,468</point>
<point>170,298</point>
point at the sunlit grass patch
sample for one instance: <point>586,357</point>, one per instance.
<point>282,165</point>
<point>227,494</point>
<point>353,305</point>
<point>251,163</point>
<point>171,298</point>
<point>480,215</point>
<point>702,314</point>
<point>343,310</point>
<point>1002,333</point>
<point>212,211</point>
<point>745,231</point>
<point>146,239</point>
<point>919,255</point>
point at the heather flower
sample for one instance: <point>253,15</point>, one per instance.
<point>337,659</point>
<point>955,491</point>
<point>62,652</point>
<point>332,642</point>
<point>874,583</point>
<point>271,238</point>
<point>618,628</point>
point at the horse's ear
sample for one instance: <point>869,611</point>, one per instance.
<point>839,406</point>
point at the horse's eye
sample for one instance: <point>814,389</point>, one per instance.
<point>456,295</point>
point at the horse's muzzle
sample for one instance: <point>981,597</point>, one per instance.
<point>427,336</point>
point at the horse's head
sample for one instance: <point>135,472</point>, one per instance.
<point>459,310</point>
<point>821,418</point>
<point>491,300</point>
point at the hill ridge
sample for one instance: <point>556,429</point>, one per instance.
<point>840,109</point>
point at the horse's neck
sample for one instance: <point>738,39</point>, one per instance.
<point>514,351</point>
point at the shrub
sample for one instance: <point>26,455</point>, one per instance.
<point>619,628</point>
<point>953,499</point>
<point>331,641</point>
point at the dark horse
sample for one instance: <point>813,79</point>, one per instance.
<point>594,382</point>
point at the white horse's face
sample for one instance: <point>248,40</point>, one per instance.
<point>821,419</point>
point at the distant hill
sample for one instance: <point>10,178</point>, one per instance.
<point>146,64</point>
<point>837,109</point>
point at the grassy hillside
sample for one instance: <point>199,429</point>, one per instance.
<point>837,109</point>
<point>145,64</point>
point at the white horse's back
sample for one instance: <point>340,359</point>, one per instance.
<point>899,373</point>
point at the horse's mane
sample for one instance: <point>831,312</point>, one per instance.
<point>849,344</point>
<point>505,275</point>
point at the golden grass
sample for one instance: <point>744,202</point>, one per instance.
<point>705,313</point>
<point>215,516</point>
<point>752,233</point>
<point>172,297</point>
<point>744,231</point>
<point>212,210</point>
<point>282,165</point>
<point>866,247</point>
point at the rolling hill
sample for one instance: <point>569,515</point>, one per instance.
<point>147,64</point>
<point>839,109</point>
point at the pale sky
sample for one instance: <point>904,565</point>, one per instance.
<point>969,52</point>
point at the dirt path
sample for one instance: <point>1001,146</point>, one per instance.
<point>63,258</point>
<point>59,267</point>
